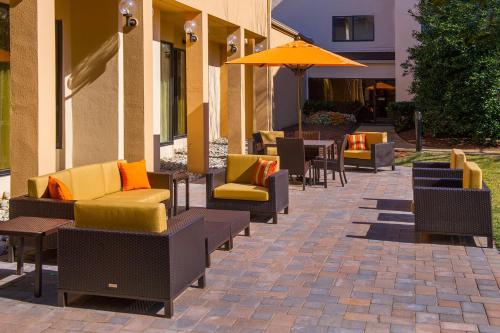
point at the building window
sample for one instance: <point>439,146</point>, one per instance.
<point>353,28</point>
<point>173,93</point>
<point>4,88</point>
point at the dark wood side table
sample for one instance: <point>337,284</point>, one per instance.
<point>178,176</point>
<point>38,228</point>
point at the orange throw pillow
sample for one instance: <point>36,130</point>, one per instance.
<point>134,176</point>
<point>357,141</point>
<point>263,169</point>
<point>58,190</point>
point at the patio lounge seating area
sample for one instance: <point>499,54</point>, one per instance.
<point>350,263</point>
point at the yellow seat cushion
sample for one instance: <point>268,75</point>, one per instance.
<point>87,182</point>
<point>457,159</point>
<point>374,137</point>
<point>123,216</point>
<point>112,178</point>
<point>240,168</point>
<point>473,176</point>
<point>359,154</point>
<point>270,136</point>
<point>142,195</point>
<point>233,191</point>
<point>273,151</point>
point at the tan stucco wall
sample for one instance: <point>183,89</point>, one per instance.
<point>284,88</point>
<point>32,135</point>
<point>248,14</point>
<point>94,81</point>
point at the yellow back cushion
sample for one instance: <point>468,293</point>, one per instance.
<point>270,136</point>
<point>112,179</point>
<point>119,215</point>
<point>240,168</point>
<point>85,183</point>
<point>473,176</point>
<point>374,137</point>
<point>457,159</point>
<point>37,186</point>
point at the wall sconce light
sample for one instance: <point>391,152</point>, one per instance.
<point>189,28</point>
<point>128,8</point>
<point>259,47</point>
<point>232,43</point>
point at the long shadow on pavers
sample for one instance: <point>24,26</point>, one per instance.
<point>404,233</point>
<point>390,204</point>
<point>396,217</point>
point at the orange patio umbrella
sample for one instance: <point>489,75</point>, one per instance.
<point>381,86</point>
<point>298,56</point>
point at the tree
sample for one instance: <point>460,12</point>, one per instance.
<point>456,68</point>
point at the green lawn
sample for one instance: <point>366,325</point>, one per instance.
<point>491,175</point>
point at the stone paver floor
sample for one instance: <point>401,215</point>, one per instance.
<point>342,261</point>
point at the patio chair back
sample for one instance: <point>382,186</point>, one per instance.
<point>311,153</point>
<point>292,155</point>
<point>340,152</point>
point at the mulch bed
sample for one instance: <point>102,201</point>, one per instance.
<point>444,143</point>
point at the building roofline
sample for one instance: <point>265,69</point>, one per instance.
<point>281,27</point>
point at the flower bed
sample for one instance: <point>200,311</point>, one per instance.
<point>330,118</point>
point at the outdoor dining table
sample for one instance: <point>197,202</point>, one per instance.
<point>326,145</point>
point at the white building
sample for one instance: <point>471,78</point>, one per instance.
<point>377,33</point>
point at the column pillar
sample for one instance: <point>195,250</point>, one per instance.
<point>197,95</point>
<point>262,98</point>
<point>249,93</point>
<point>138,86</point>
<point>33,91</point>
<point>236,97</point>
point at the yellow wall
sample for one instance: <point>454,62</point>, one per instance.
<point>94,80</point>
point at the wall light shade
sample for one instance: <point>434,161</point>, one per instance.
<point>128,7</point>
<point>259,47</point>
<point>189,28</point>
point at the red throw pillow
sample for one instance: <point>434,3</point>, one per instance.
<point>134,176</point>
<point>58,190</point>
<point>357,141</point>
<point>263,169</point>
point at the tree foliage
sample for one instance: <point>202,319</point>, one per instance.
<point>456,68</point>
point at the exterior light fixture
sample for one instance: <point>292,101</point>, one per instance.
<point>128,8</point>
<point>259,47</point>
<point>189,28</point>
<point>232,43</point>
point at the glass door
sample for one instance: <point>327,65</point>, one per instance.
<point>166,128</point>
<point>4,88</point>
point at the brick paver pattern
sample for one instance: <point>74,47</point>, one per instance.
<point>344,260</point>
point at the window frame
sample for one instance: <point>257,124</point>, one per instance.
<point>174,110</point>
<point>351,18</point>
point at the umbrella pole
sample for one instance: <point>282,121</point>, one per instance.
<point>299,109</point>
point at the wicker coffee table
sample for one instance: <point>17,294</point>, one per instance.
<point>37,228</point>
<point>221,226</point>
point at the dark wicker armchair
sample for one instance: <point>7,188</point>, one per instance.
<point>278,194</point>
<point>443,206</point>
<point>335,165</point>
<point>136,265</point>
<point>380,153</point>
<point>452,169</point>
<point>293,158</point>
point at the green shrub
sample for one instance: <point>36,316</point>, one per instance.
<point>403,114</point>
<point>456,68</point>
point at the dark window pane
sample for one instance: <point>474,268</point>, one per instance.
<point>363,28</point>
<point>342,28</point>
<point>166,134</point>
<point>180,92</point>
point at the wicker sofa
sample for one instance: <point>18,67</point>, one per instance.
<point>379,153</point>
<point>453,206</point>
<point>99,182</point>
<point>128,250</point>
<point>452,169</point>
<point>231,188</point>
